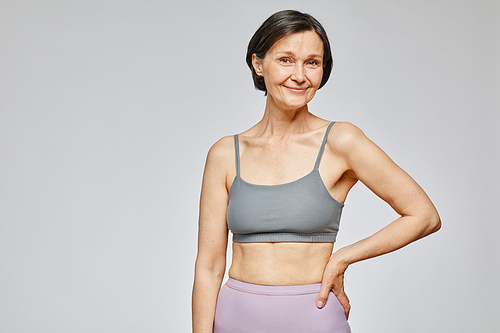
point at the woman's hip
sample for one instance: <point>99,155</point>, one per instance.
<point>248,308</point>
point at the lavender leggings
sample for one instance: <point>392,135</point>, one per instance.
<point>250,308</point>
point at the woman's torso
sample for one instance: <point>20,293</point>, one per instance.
<point>273,161</point>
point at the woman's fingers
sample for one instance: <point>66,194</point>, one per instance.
<point>333,280</point>
<point>326,286</point>
<point>338,290</point>
<point>344,301</point>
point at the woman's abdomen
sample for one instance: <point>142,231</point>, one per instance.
<point>279,264</point>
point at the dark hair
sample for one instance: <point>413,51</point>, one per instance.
<point>279,25</point>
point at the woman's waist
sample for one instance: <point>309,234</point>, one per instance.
<point>270,290</point>
<point>279,264</point>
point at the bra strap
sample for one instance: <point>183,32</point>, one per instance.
<point>237,154</point>
<point>320,154</point>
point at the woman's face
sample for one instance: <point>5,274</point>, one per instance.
<point>292,69</point>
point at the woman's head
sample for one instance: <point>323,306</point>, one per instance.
<point>279,25</point>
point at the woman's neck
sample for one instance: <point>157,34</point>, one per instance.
<point>281,122</point>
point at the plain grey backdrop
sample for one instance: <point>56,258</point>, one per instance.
<point>107,111</point>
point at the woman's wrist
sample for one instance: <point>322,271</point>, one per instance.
<point>341,258</point>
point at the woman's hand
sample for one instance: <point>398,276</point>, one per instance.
<point>333,279</point>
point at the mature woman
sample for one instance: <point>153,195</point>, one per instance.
<point>280,187</point>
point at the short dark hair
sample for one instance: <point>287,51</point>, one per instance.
<point>279,25</point>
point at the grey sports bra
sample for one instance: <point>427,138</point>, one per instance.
<point>300,211</point>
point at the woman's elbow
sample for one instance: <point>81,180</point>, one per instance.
<point>433,222</point>
<point>215,266</point>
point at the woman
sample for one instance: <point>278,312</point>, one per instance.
<point>280,187</point>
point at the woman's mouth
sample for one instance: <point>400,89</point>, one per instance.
<point>297,90</point>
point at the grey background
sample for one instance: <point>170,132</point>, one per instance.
<point>107,111</point>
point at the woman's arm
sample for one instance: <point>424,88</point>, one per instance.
<point>419,218</point>
<point>212,237</point>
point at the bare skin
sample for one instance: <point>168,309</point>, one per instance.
<point>281,148</point>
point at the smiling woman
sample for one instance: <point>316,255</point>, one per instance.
<point>292,69</point>
<point>280,188</point>
<point>278,26</point>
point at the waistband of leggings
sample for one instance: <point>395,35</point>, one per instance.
<point>259,289</point>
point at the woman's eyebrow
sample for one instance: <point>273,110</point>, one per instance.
<point>290,53</point>
<point>315,55</point>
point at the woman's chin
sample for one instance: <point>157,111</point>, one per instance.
<point>296,104</point>
<point>291,103</point>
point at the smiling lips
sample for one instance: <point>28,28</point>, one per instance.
<point>297,90</point>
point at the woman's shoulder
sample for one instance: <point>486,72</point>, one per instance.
<point>220,159</point>
<point>344,135</point>
<point>345,128</point>
<point>222,149</point>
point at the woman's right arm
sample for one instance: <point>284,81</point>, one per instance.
<point>212,236</point>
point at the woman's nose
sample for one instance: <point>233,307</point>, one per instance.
<point>298,73</point>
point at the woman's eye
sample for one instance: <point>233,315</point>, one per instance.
<point>313,63</point>
<point>285,60</point>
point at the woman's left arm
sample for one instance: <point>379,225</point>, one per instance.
<point>418,216</point>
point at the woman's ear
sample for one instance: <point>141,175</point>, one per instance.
<point>257,65</point>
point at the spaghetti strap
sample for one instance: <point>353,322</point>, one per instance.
<point>237,154</point>
<point>320,154</point>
